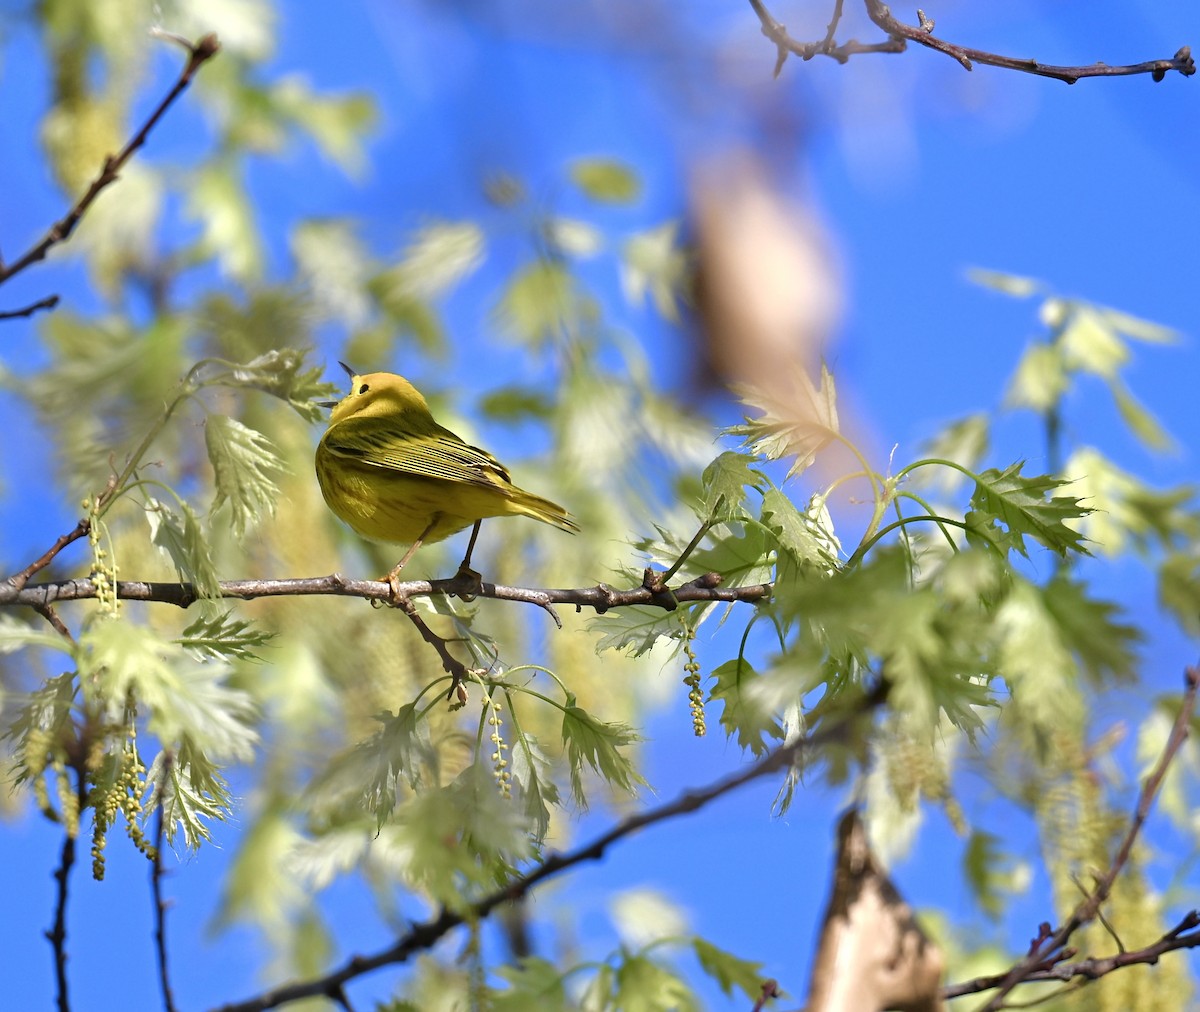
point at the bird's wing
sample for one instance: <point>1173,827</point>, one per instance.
<point>420,451</point>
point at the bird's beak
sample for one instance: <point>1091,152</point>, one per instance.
<point>350,372</point>
<point>327,404</point>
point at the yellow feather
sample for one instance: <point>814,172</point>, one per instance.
<point>392,473</point>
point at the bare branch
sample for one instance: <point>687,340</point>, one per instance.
<point>61,230</point>
<point>160,905</point>
<point>424,936</point>
<point>15,314</point>
<point>1183,936</point>
<point>900,34</point>
<point>18,580</point>
<point>601,597</point>
<point>1050,947</point>
<point>57,935</point>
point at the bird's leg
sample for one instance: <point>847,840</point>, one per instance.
<point>465,572</point>
<point>392,578</point>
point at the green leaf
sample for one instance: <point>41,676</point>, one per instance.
<point>965,442</point>
<point>535,985</point>
<point>243,462</point>
<point>1179,589</point>
<point>337,123</point>
<point>532,777</point>
<point>190,793</point>
<point>801,537</point>
<point>1008,284</point>
<point>183,542</point>
<point>1024,506</point>
<point>728,970</point>
<point>635,630</point>
<point>1141,421</point>
<point>743,713</point>
<point>398,752</point>
<point>1040,379</point>
<point>543,302</point>
<point>798,420</point>
<point>654,263</point>
<point>438,257</point>
<point>725,481</point>
<point>645,986</point>
<point>334,266</point>
<point>569,237</point>
<point>597,743</point>
<point>982,860</point>
<point>1090,629</point>
<point>605,180</point>
<point>281,374</point>
<point>230,233</point>
<point>16,635</point>
<point>1089,344</point>
<point>185,698</point>
<point>222,635</point>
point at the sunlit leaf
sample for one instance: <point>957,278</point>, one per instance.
<point>1024,505</point>
<point>728,970</point>
<point>725,482</point>
<point>542,302</point>
<point>335,267</point>
<point>1090,344</point>
<point>1140,420</point>
<point>535,984</point>
<point>744,713</point>
<point>1040,379</point>
<point>654,263</point>
<point>1008,284</point>
<point>182,540</point>
<point>799,421</point>
<point>1091,630</point>
<point>572,237</point>
<point>224,636</point>
<point>598,744</point>
<point>532,776</point>
<point>645,986</point>
<point>965,442</point>
<point>230,233</point>
<point>244,463</point>
<point>438,257</point>
<point>606,180</point>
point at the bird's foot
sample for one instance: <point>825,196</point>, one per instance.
<point>468,583</point>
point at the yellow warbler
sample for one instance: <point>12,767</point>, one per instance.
<point>393,474</point>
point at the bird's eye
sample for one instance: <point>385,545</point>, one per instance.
<point>363,389</point>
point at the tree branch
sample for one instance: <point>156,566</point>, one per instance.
<point>18,580</point>
<point>57,936</point>
<point>199,52</point>
<point>1050,947</point>
<point>15,314</point>
<point>160,905</point>
<point>900,34</point>
<point>424,936</point>
<point>601,597</point>
<point>1182,936</point>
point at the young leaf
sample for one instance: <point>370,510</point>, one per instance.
<point>397,752</point>
<point>800,535</point>
<point>1179,589</point>
<point>645,986</point>
<point>728,970</point>
<point>531,775</point>
<point>1040,379</point>
<point>223,636</point>
<point>605,180</point>
<point>243,461</point>
<point>191,794</point>
<point>1140,420</point>
<point>965,442</point>
<point>534,984</point>
<point>1025,507</point>
<point>598,744</point>
<point>16,635</point>
<point>634,630</point>
<point>1008,284</point>
<point>1090,344</point>
<point>798,422</point>
<point>654,263</point>
<point>541,302</point>
<point>1090,630</point>
<point>725,481</point>
<point>438,257</point>
<point>182,541</point>
<point>743,713</point>
<point>281,374</point>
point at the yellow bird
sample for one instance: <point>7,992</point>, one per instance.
<point>392,473</point>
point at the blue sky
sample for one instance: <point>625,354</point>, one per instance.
<point>917,170</point>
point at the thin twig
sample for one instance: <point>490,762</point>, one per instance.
<point>1048,949</point>
<point>160,905</point>
<point>204,49</point>
<point>455,668</point>
<point>922,34</point>
<point>601,597</point>
<point>50,615</point>
<point>424,936</point>
<point>18,580</point>
<point>1182,936</point>
<point>57,935</point>
<point>900,34</point>
<point>49,302</point>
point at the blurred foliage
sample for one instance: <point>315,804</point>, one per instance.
<point>187,428</point>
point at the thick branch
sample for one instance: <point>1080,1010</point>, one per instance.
<point>426,935</point>
<point>61,230</point>
<point>600,597</point>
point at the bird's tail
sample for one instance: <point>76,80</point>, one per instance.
<point>530,505</point>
